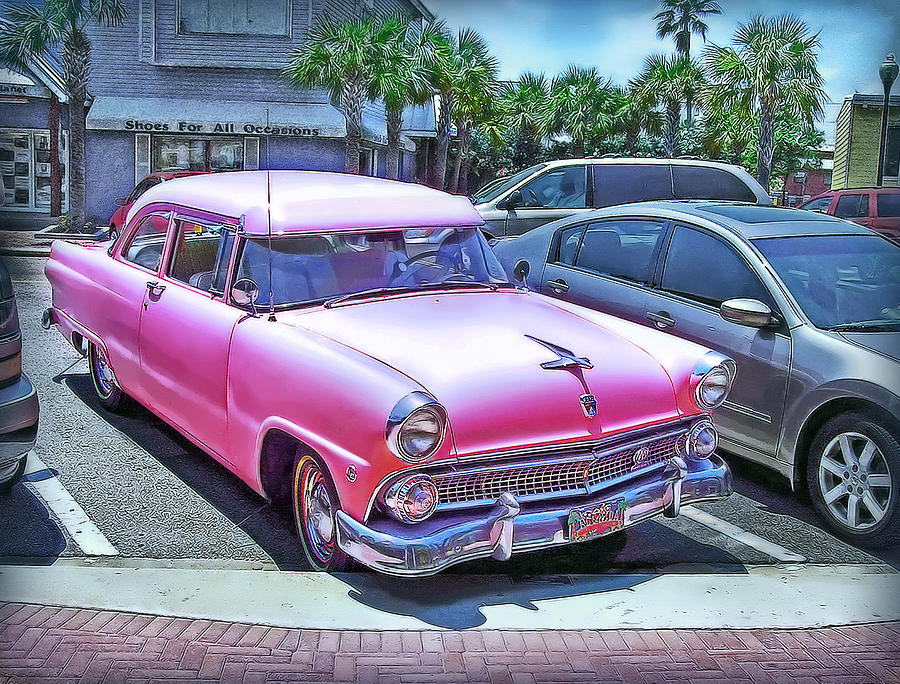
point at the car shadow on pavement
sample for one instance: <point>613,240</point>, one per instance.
<point>28,534</point>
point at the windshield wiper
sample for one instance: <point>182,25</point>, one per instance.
<point>869,326</point>
<point>362,294</point>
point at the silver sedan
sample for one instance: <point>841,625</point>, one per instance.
<point>808,306</point>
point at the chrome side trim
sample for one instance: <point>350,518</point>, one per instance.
<point>747,411</point>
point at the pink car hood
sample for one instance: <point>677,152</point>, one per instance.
<point>470,351</point>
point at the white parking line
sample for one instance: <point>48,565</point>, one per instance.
<point>72,516</point>
<point>747,538</point>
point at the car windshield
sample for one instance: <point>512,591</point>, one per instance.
<point>320,268</point>
<point>498,186</point>
<point>849,282</point>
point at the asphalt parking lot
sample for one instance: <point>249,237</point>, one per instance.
<point>146,493</point>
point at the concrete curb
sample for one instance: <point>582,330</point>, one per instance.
<point>818,596</point>
<point>25,251</point>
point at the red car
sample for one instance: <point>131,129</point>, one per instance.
<point>877,208</point>
<point>117,220</point>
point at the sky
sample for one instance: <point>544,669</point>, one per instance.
<point>616,35</point>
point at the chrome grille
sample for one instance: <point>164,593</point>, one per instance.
<point>536,480</point>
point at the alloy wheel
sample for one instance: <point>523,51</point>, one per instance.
<point>855,481</point>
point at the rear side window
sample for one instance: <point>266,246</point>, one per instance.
<point>852,206</point>
<point>623,183</point>
<point>889,204</point>
<point>624,248</point>
<point>145,247</point>
<point>567,245</point>
<point>703,182</point>
<point>707,270</point>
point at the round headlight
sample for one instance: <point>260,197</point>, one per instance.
<point>412,498</point>
<point>702,439</point>
<point>420,433</point>
<point>713,387</point>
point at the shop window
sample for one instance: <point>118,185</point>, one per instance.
<point>243,17</point>
<point>368,161</point>
<point>25,169</point>
<point>892,153</point>
<point>182,153</point>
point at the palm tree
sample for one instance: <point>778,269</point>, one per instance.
<point>771,68</point>
<point>475,108</point>
<point>580,105</point>
<point>462,62</point>
<point>339,56</point>
<point>681,19</point>
<point>521,105</point>
<point>668,81</point>
<point>401,75</point>
<point>33,31</point>
<point>635,115</point>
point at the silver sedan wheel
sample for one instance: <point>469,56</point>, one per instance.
<point>855,481</point>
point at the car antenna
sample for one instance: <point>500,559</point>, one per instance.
<point>269,226</point>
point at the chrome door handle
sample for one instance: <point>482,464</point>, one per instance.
<point>661,318</point>
<point>155,288</point>
<point>558,285</point>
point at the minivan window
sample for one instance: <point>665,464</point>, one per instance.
<point>889,204</point>
<point>493,190</point>
<point>562,188</point>
<point>704,182</point>
<point>623,183</point>
<point>622,248</point>
<point>707,270</point>
<point>852,206</point>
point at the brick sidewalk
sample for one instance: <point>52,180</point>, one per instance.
<point>63,644</point>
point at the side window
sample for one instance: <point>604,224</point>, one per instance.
<point>141,188</point>
<point>558,189</point>
<point>820,204</point>
<point>707,270</point>
<point>889,204</point>
<point>145,247</point>
<point>623,248</point>
<point>623,183</point>
<point>703,182</point>
<point>201,254</point>
<point>566,246</point>
<point>852,206</point>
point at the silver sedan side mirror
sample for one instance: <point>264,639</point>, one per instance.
<point>750,312</point>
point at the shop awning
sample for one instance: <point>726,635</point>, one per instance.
<point>203,117</point>
<point>375,130</point>
<point>419,122</point>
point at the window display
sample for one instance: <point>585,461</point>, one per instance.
<point>180,153</point>
<point>25,168</point>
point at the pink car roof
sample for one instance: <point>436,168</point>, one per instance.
<point>309,201</point>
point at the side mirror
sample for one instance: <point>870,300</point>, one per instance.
<point>521,271</point>
<point>121,200</point>
<point>514,200</point>
<point>245,292</point>
<point>750,312</point>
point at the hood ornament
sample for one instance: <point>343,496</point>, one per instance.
<point>569,361</point>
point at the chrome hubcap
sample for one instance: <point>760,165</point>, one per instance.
<point>855,481</point>
<point>318,514</point>
<point>105,378</point>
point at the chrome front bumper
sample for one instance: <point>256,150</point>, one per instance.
<point>426,548</point>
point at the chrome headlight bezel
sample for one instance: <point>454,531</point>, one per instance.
<point>712,364</point>
<point>407,408</point>
<point>692,439</point>
<point>397,493</point>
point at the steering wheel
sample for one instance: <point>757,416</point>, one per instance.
<point>409,269</point>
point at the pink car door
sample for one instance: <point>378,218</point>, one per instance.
<point>138,262</point>
<point>186,331</point>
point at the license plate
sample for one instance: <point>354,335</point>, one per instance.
<point>596,520</point>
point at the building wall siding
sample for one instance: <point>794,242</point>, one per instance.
<point>865,142</point>
<point>841,146</point>
<point>108,171</point>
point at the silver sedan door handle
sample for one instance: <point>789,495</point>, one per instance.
<point>558,285</point>
<point>661,318</point>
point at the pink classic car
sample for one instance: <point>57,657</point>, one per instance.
<point>351,347</point>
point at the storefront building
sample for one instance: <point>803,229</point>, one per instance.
<point>26,101</point>
<point>196,84</point>
<point>858,140</point>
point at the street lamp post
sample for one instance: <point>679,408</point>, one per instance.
<point>888,74</point>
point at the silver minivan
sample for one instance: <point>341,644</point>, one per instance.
<point>553,190</point>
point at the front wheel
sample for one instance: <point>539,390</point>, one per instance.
<point>854,479</point>
<point>315,503</point>
<point>111,397</point>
